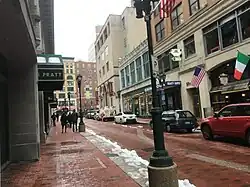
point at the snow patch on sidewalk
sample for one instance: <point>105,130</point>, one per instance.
<point>127,159</point>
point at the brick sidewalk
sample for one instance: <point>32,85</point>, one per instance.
<point>67,160</point>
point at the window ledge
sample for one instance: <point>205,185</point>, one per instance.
<point>190,57</point>
<point>130,86</point>
<point>234,46</point>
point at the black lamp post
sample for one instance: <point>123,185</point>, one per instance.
<point>69,99</point>
<point>81,124</point>
<point>161,170</point>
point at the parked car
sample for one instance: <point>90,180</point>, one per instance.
<point>178,120</point>
<point>97,116</point>
<point>231,121</point>
<point>125,117</point>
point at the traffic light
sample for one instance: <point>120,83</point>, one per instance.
<point>139,8</point>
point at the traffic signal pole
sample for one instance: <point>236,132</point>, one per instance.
<point>162,171</point>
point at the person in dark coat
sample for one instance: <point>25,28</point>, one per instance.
<point>70,121</point>
<point>64,121</point>
<point>74,117</point>
<point>53,117</point>
<point>57,117</point>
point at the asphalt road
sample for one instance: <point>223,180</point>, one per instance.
<point>222,163</point>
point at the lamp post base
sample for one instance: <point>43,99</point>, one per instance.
<point>163,176</point>
<point>81,127</point>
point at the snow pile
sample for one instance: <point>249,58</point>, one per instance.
<point>132,159</point>
<point>185,183</point>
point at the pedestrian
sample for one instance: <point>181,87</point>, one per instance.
<point>64,121</point>
<point>53,117</point>
<point>57,116</point>
<point>74,117</point>
<point>70,121</point>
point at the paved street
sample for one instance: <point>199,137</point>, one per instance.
<point>67,160</point>
<point>205,163</point>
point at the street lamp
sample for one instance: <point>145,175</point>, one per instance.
<point>69,99</point>
<point>161,170</point>
<point>81,124</point>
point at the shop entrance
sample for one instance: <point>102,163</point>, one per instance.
<point>195,95</point>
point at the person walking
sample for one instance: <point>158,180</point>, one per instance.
<point>53,117</point>
<point>74,117</point>
<point>64,121</point>
<point>70,121</point>
<point>57,116</point>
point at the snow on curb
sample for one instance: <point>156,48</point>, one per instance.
<point>133,160</point>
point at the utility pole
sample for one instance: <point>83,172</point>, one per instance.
<point>162,171</point>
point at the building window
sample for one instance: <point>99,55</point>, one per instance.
<point>61,95</point>
<point>189,46</point>
<point>70,77</point>
<point>107,65</point>
<point>103,70</point>
<point>70,89</point>
<point>244,18</point>
<point>100,73</point>
<point>83,65</point>
<point>67,71</point>
<point>122,78</point>
<point>211,39</point>
<point>138,69</point>
<point>71,71</point>
<point>77,71</point>
<point>194,6</point>
<point>132,70</point>
<point>127,75</point>
<point>77,65</point>
<point>229,30</point>
<point>160,31</point>
<point>70,83</point>
<point>146,65</point>
<point>177,16</point>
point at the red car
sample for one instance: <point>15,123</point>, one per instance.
<point>231,121</point>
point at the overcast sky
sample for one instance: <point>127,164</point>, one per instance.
<point>75,22</point>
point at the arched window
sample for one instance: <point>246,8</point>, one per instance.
<point>70,77</point>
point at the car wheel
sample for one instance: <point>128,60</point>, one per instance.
<point>168,128</point>
<point>207,132</point>
<point>248,138</point>
<point>189,130</point>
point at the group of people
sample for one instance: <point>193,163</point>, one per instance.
<point>68,119</point>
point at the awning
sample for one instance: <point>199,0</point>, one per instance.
<point>237,86</point>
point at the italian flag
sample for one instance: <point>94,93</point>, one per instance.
<point>240,65</point>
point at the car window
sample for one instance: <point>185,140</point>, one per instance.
<point>185,114</point>
<point>228,111</point>
<point>243,110</point>
<point>119,114</point>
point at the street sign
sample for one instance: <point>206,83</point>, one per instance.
<point>50,74</point>
<point>155,66</point>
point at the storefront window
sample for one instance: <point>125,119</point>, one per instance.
<point>211,38</point>
<point>245,24</point>
<point>146,65</point>
<point>139,69</point>
<point>132,70</point>
<point>229,30</point>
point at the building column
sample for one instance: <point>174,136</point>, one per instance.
<point>204,89</point>
<point>41,118</point>
<point>23,115</point>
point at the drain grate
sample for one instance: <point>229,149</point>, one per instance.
<point>111,155</point>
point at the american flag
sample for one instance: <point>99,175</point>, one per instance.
<point>198,75</point>
<point>166,7</point>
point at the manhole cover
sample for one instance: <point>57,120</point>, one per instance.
<point>111,155</point>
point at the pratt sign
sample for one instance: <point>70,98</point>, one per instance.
<point>50,74</point>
